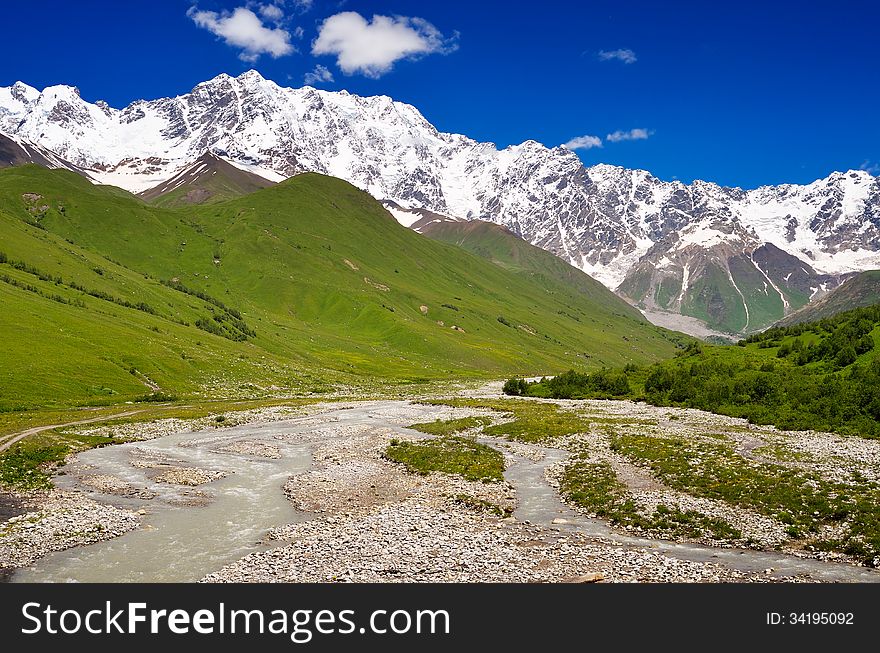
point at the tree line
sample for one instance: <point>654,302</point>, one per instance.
<point>820,378</point>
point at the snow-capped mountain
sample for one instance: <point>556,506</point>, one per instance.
<point>695,249</point>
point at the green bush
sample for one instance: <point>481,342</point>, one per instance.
<point>819,378</point>
<point>516,387</point>
<point>574,385</point>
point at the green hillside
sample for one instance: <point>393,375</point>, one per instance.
<point>861,290</point>
<point>302,286</point>
<point>504,248</point>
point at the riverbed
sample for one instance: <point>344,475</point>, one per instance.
<point>310,498</point>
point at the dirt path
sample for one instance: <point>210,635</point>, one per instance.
<point>147,381</point>
<point>12,438</point>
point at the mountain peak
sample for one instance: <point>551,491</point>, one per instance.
<point>251,75</point>
<point>24,88</point>
<point>23,93</point>
<point>217,79</point>
<point>607,169</point>
<point>61,92</point>
<point>248,77</point>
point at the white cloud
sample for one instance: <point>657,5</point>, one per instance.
<point>624,54</point>
<point>873,168</point>
<point>583,143</point>
<point>319,74</point>
<point>631,135</point>
<point>302,6</point>
<point>271,12</point>
<point>243,29</point>
<point>372,48</point>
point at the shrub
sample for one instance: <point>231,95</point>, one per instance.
<point>516,388</point>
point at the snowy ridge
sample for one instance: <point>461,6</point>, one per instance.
<point>604,219</point>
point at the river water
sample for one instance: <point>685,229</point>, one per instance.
<point>177,542</point>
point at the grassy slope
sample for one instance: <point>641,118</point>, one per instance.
<point>56,354</point>
<point>504,248</point>
<point>862,290</point>
<point>286,258</point>
<point>713,299</point>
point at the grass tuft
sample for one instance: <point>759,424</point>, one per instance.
<point>595,487</point>
<point>452,455</point>
<point>452,426</point>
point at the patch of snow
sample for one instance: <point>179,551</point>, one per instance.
<point>406,218</point>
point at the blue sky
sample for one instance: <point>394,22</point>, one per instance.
<point>738,93</point>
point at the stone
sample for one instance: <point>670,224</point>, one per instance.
<point>594,577</point>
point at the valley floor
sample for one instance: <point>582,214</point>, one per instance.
<point>305,494</point>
